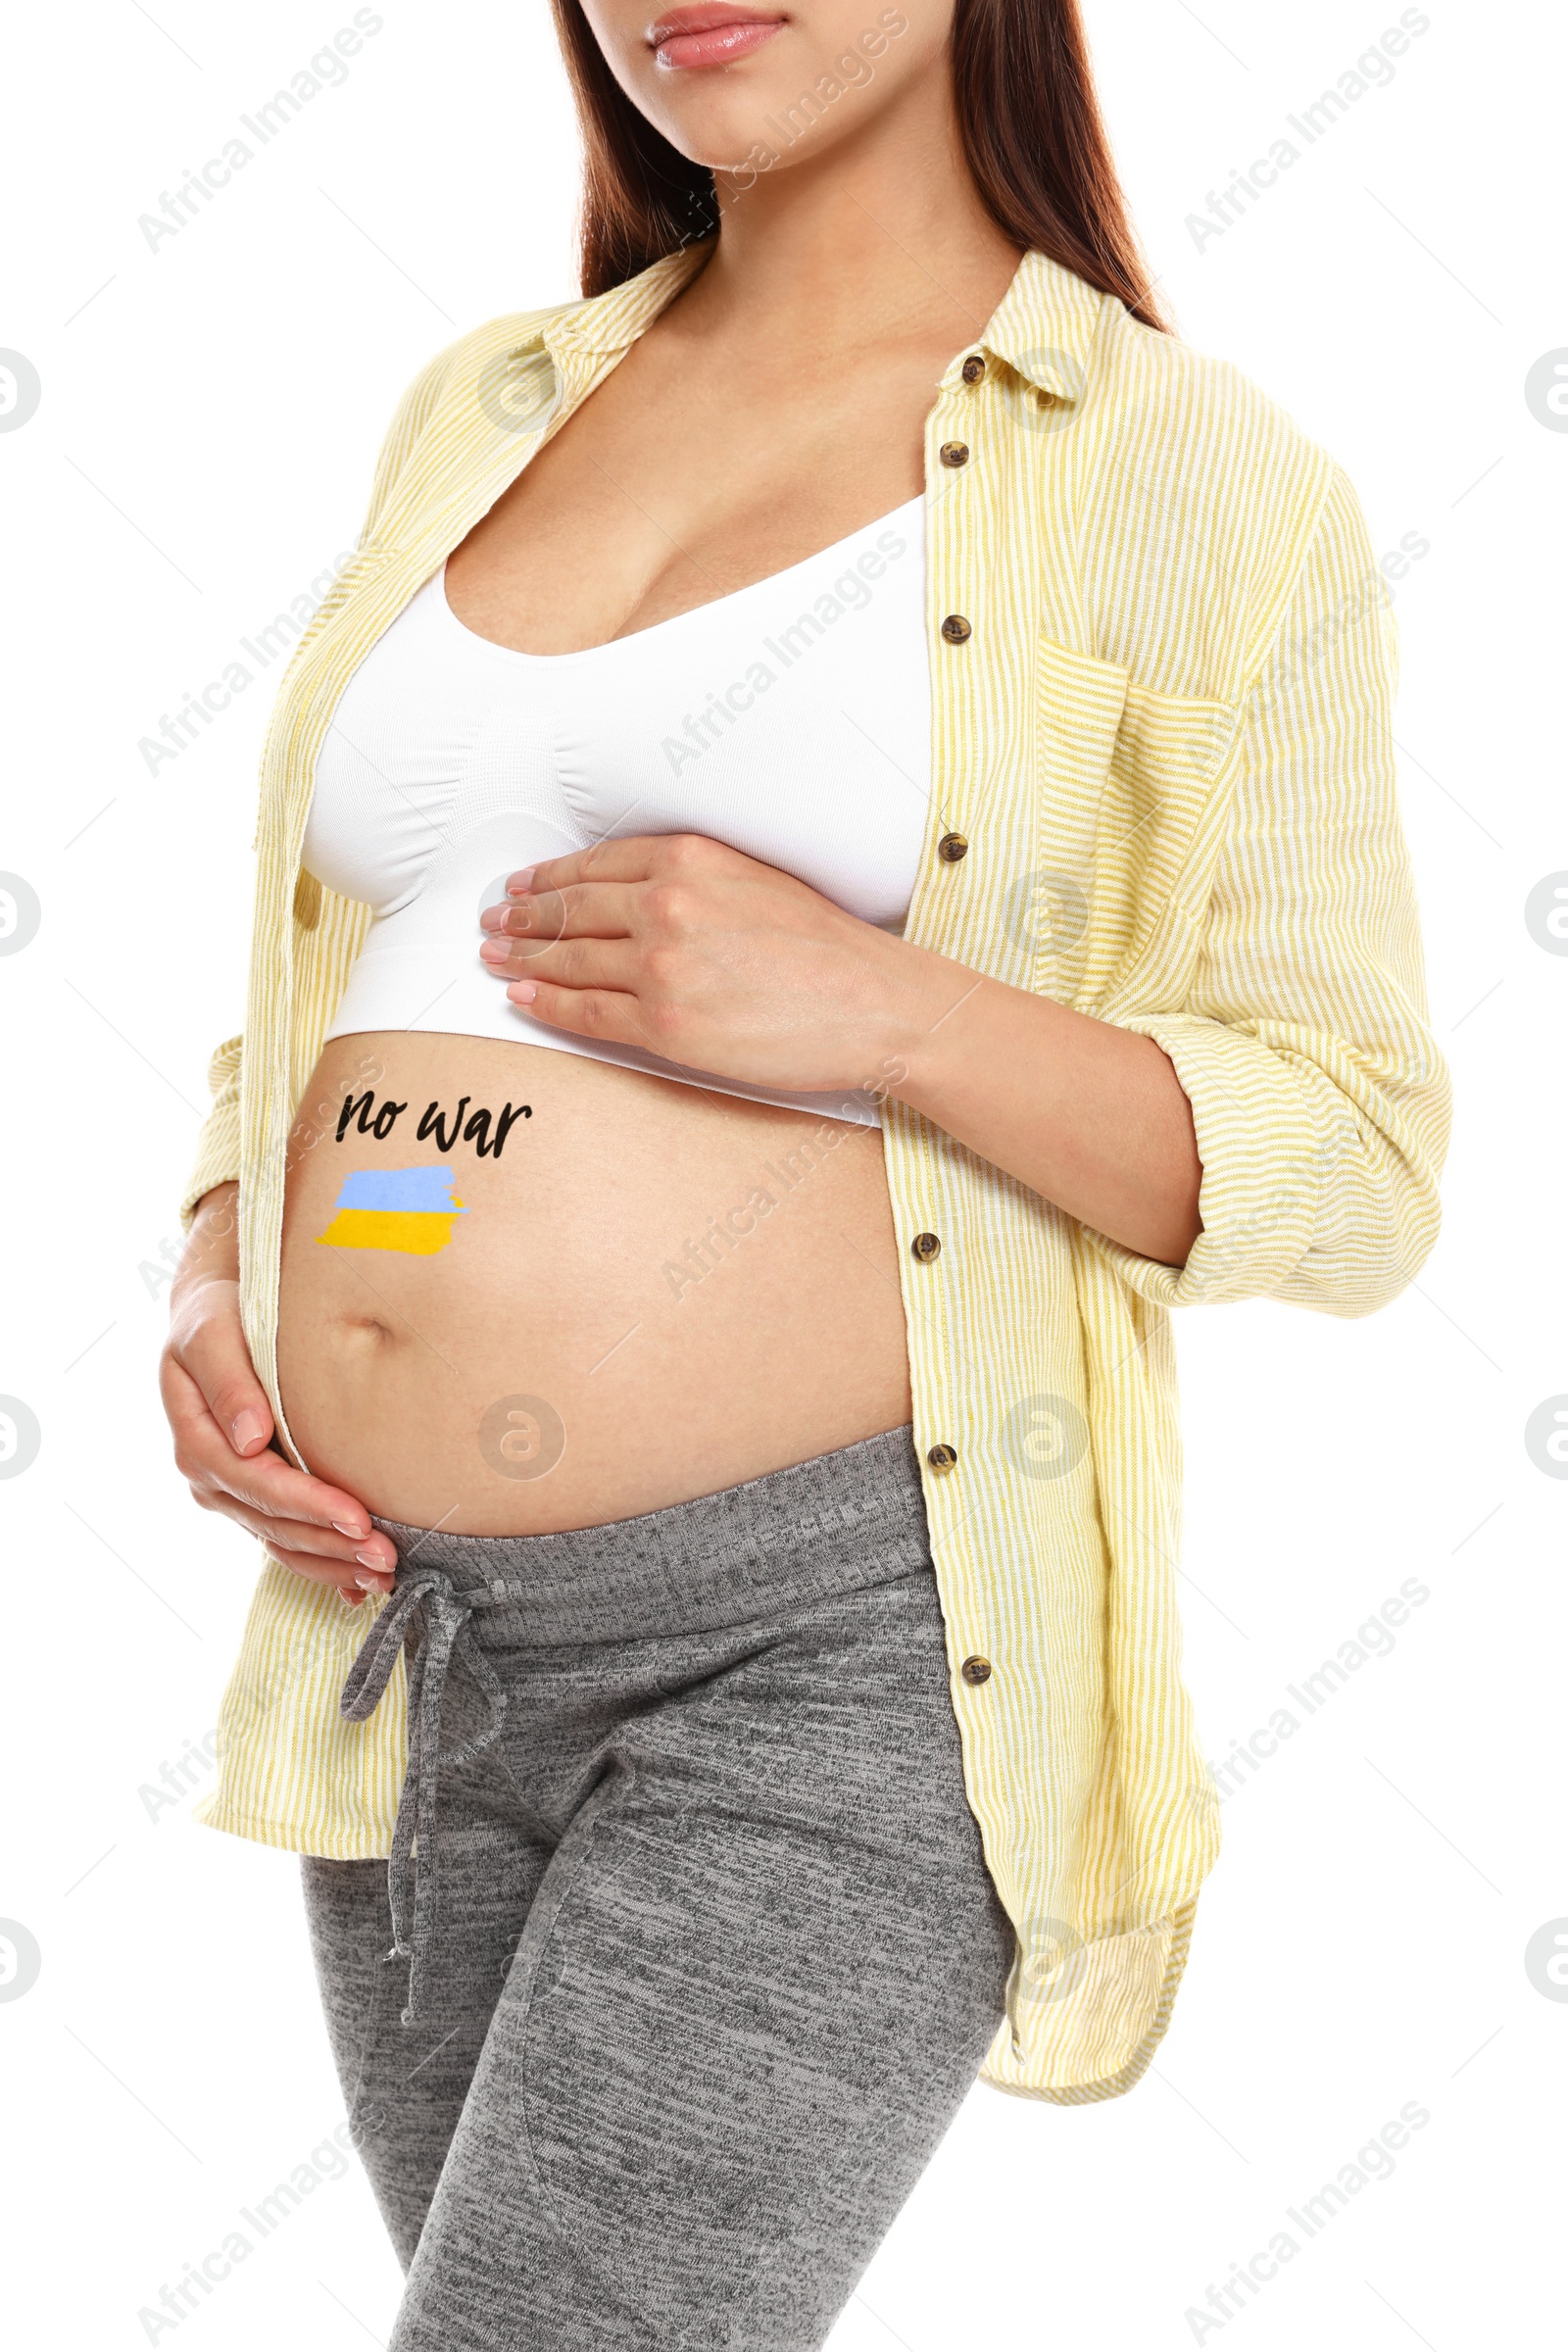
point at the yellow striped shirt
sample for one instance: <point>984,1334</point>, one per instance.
<point>1168,742</point>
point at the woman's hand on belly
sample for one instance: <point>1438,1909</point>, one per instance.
<point>223,1426</point>
<point>692,950</point>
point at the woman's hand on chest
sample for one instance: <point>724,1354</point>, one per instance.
<point>694,951</point>
<point>691,951</point>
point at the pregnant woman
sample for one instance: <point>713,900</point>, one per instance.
<point>831,857</point>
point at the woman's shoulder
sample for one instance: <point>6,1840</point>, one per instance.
<point>1199,492</point>
<point>1195,426</point>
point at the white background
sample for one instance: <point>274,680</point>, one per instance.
<point>210,414</point>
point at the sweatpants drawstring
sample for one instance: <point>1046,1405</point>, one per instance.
<point>448,1629</point>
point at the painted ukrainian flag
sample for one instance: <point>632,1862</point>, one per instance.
<point>395,1208</point>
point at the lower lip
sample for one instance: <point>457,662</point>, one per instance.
<point>720,45</point>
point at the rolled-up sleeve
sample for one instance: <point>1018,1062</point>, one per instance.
<point>1320,1100</point>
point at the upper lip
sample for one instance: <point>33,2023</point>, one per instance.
<point>705,17</point>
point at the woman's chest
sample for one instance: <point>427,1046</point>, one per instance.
<point>790,721</point>
<point>690,470</point>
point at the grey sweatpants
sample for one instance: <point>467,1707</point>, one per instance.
<point>705,1952</point>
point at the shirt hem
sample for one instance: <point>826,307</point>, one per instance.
<point>287,1837</point>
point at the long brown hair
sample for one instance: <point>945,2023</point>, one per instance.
<point>1033,135</point>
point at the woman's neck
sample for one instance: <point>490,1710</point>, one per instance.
<point>882,234</point>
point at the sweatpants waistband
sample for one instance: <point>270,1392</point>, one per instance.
<point>845,1519</point>
<point>800,1536</point>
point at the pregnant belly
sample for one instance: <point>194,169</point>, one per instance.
<point>579,1293</point>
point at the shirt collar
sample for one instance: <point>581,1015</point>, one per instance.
<point>611,322</point>
<point>1043,327</point>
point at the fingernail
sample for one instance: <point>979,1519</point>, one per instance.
<point>522,991</point>
<point>246,1429</point>
<point>350,1601</point>
<point>491,918</point>
<point>370,1583</point>
<point>368,1559</point>
<point>348,1527</point>
<point>520,883</point>
<point>495,951</point>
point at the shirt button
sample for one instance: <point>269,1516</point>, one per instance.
<point>926,1247</point>
<point>973,368</point>
<point>976,1670</point>
<point>952,847</point>
<point>954,453</point>
<point>942,1457</point>
<point>955,628</point>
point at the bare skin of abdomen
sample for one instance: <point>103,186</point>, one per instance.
<point>647,1292</point>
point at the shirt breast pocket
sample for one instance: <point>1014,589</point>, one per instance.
<point>1125,777</point>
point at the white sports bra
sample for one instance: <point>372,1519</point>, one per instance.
<point>791,719</point>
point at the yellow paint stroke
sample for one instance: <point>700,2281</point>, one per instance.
<point>419,1233</point>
